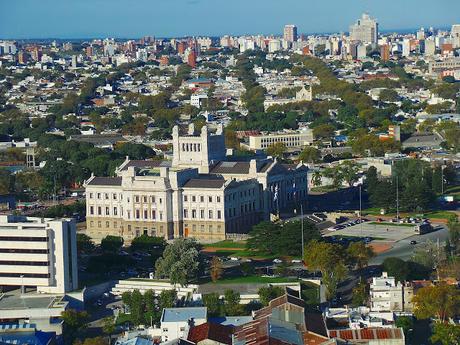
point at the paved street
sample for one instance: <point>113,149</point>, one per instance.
<point>403,249</point>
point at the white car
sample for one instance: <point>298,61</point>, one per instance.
<point>232,258</point>
<point>277,261</point>
<point>296,261</point>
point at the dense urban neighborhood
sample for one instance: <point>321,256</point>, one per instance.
<point>260,189</point>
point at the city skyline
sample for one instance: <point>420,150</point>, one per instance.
<point>204,17</point>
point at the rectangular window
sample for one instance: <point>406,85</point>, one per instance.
<point>210,214</point>
<point>193,214</point>
<point>90,195</point>
<point>91,210</point>
<point>202,214</point>
<point>218,199</point>
<point>144,198</point>
<point>210,198</point>
<point>107,212</point>
<point>115,211</point>
<point>193,198</point>
<point>99,211</point>
<point>152,199</point>
<point>201,198</point>
<point>106,195</point>
<point>161,215</point>
<point>138,214</point>
<point>160,200</point>
<point>185,198</point>
<point>114,196</point>
<point>154,214</point>
<point>185,213</point>
<point>136,198</point>
<point>146,214</point>
<point>219,214</point>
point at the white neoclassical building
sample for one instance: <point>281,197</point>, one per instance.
<point>198,194</point>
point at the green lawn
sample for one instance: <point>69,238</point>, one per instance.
<point>225,244</point>
<point>393,224</point>
<point>430,215</point>
<point>255,280</point>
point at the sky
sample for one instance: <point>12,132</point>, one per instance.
<point>175,18</point>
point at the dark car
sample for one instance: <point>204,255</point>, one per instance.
<point>413,242</point>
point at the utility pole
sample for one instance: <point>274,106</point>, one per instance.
<point>397,198</point>
<point>301,222</point>
<point>442,179</point>
<point>360,209</point>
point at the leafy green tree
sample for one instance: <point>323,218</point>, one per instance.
<point>216,269</point>
<point>360,294</point>
<point>92,341</point>
<point>180,261</point>
<point>111,244</point>
<point>405,322</point>
<point>232,302</point>
<point>167,299</point>
<point>276,150</point>
<point>310,154</point>
<point>213,303</point>
<point>324,131</point>
<point>360,254</point>
<point>147,243</point>
<point>85,244</point>
<point>108,327</point>
<point>446,334</point>
<point>329,259</point>
<point>5,181</point>
<point>440,301</point>
<point>388,95</point>
<point>74,324</point>
<point>281,239</point>
<point>268,293</point>
<point>254,98</point>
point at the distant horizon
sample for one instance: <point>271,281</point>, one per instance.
<point>388,31</point>
<point>85,19</point>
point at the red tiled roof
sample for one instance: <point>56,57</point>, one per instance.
<point>367,334</point>
<point>212,331</point>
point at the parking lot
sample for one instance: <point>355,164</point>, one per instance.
<point>393,233</point>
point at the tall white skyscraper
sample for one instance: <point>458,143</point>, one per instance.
<point>455,33</point>
<point>290,33</point>
<point>365,30</point>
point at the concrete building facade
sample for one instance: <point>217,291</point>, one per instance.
<point>38,252</point>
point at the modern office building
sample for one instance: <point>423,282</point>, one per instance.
<point>455,34</point>
<point>198,194</point>
<point>365,30</point>
<point>38,252</point>
<point>292,139</point>
<point>290,33</point>
<point>450,64</point>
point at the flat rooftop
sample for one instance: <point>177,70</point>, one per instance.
<point>29,301</point>
<point>183,314</point>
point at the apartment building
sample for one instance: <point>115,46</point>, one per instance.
<point>365,30</point>
<point>198,194</point>
<point>451,64</point>
<point>388,295</point>
<point>38,252</point>
<point>292,139</point>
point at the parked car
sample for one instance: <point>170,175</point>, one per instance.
<point>413,242</point>
<point>277,261</point>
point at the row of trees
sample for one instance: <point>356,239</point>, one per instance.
<point>146,308</point>
<point>416,182</point>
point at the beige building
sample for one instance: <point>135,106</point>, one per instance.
<point>388,295</point>
<point>292,140</point>
<point>198,194</point>
<point>365,30</point>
